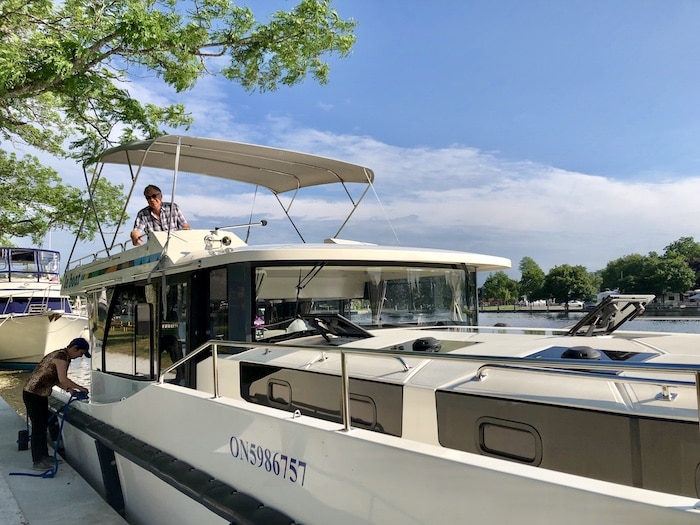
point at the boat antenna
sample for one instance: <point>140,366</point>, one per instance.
<point>250,219</point>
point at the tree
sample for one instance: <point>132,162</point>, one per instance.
<point>650,274</point>
<point>689,250</point>
<point>500,287</point>
<point>69,96</point>
<point>625,274</point>
<point>33,201</point>
<point>567,282</point>
<point>531,279</point>
<point>686,247</point>
<point>596,279</point>
<point>667,274</point>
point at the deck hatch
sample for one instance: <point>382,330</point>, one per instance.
<point>557,352</point>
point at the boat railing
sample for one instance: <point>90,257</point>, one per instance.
<point>34,301</point>
<point>588,369</point>
<point>112,250</point>
<point>28,276</point>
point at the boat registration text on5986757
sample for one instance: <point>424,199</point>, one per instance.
<point>272,461</point>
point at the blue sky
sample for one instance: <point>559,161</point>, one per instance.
<point>566,131</point>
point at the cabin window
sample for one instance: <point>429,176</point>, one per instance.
<point>377,296</point>
<point>363,412</point>
<point>509,439</point>
<point>98,305</point>
<point>48,265</point>
<point>23,265</point>
<point>218,304</point>
<point>240,320</point>
<point>374,405</point>
<point>279,393</point>
<point>127,342</point>
<point>172,341</point>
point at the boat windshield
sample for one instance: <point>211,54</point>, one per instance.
<point>28,264</point>
<point>375,297</point>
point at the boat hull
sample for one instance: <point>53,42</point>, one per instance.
<point>338,477</point>
<point>26,338</point>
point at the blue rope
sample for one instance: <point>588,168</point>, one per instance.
<point>51,472</point>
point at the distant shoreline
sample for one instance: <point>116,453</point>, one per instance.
<point>650,313</point>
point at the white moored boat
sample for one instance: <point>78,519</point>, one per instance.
<point>34,317</point>
<point>345,383</point>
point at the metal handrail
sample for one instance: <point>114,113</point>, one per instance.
<point>43,294</point>
<point>214,344</point>
<point>480,376</point>
<point>556,366</point>
<point>122,246</point>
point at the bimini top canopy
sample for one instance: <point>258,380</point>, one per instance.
<point>276,169</point>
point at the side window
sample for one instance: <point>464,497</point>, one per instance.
<point>218,304</point>
<point>48,266</point>
<point>172,341</point>
<point>98,306</point>
<point>128,325</point>
<point>143,325</point>
<point>4,264</point>
<point>23,264</point>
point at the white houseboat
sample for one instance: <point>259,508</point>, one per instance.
<point>35,318</point>
<point>345,382</point>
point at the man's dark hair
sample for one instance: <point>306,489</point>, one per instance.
<point>151,187</point>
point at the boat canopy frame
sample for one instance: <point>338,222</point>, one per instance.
<point>277,170</point>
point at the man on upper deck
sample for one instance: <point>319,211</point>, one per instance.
<point>157,216</point>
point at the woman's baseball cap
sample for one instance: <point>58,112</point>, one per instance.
<point>82,344</point>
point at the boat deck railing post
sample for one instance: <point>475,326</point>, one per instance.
<point>697,394</point>
<point>345,393</point>
<point>215,368</point>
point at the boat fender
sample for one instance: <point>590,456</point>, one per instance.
<point>581,352</point>
<point>427,344</point>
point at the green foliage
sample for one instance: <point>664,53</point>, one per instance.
<point>33,201</point>
<point>531,280</point>
<point>689,250</point>
<point>625,274</point>
<point>65,69</point>
<point>74,82</point>
<point>685,247</point>
<point>567,282</point>
<point>674,272</point>
<point>667,274</point>
<point>502,288</point>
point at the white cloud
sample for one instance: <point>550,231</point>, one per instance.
<point>455,198</point>
<point>460,198</point>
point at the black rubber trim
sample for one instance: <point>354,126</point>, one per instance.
<point>219,497</point>
<point>110,478</point>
